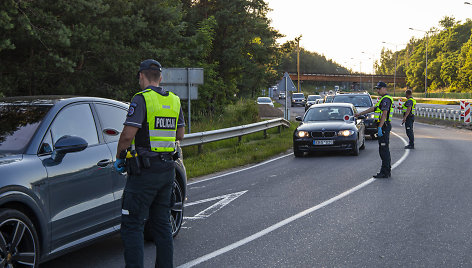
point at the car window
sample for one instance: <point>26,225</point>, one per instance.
<point>111,117</point>
<point>75,120</point>
<point>313,97</point>
<point>264,100</point>
<point>298,95</point>
<point>356,100</point>
<point>327,113</point>
<point>18,123</point>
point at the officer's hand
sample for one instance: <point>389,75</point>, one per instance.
<point>356,115</point>
<point>403,121</point>
<point>379,132</point>
<point>119,165</point>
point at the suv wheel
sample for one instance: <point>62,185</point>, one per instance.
<point>19,245</point>
<point>176,213</point>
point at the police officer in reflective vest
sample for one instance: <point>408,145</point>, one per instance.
<point>153,124</point>
<point>383,114</point>
<point>409,109</point>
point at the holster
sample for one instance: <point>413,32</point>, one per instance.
<point>133,164</point>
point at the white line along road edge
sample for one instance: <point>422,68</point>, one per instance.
<point>291,219</point>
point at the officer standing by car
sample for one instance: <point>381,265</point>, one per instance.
<point>383,115</point>
<point>153,124</point>
<point>409,108</point>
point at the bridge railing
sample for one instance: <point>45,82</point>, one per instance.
<point>200,138</point>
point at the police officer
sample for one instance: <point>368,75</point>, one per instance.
<point>153,124</point>
<point>409,108</point>
<point>383,114</point>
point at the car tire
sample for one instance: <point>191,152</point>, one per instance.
<point>19,240</point>
<point>355,150</point>
<point>176,213</point>
<point>298,153</point>
<point>363,144</point>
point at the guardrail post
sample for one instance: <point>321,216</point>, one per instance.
<point>279,129</point>
<point>265,133</point>
<point>200,148</point>
<point>240,138</point>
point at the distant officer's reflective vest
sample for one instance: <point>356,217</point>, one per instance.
<point>162,115</point>
<point>378,112</point>
<point>413,108</point>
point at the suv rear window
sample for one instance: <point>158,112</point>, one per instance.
<point>356,100</point>
<point>18,123</point>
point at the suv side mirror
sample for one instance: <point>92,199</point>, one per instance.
<point>67,144</point>
<point>361,117</point>
<point>298,118</point>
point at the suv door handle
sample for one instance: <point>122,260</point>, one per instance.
<point>104,163</point>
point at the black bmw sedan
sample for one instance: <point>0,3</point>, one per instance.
<point>58,187</point>
<point>329,127</point>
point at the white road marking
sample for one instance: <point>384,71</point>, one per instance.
<point>290,219</point>
<point>239,170</point>
<point>225,200</point>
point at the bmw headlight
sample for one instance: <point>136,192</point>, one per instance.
<point>345,133</point>
<point>301,134</point>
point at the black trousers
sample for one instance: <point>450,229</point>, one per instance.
<point>409,130</point>
<point>148,196</point>
<point>384,150</point>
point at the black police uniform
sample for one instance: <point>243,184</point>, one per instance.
<point>384,141</point>
<point>410,119</point>
<point>149,195</point>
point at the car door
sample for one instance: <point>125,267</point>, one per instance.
<point>80,185</point>
<point>112,118</point>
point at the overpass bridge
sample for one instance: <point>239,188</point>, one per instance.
<point>353,78</point>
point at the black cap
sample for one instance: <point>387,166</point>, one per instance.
<point>148,65</point>
<point>380,84</point>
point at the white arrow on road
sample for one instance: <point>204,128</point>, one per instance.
<point>225,200</point>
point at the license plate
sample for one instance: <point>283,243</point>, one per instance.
<point>323,142</point>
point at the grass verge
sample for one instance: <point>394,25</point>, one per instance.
<point>225,154</point>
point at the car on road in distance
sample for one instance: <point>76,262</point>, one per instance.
<point>310,100</point>
<point>329,127</point>
<point>328,98</point>
<point>298,99</point>
<point>265,101</point>
<point>281,95</point>
<point>59,186</point>
<point>362,102</point>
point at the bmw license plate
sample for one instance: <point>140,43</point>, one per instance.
<point>323,142</point>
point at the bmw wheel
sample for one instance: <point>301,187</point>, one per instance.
<point>363,143</point>
<point>19,245</point>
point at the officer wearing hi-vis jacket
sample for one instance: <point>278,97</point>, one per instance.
<point>409,109</point>
<point>153,124</point>
<point>383,114</point>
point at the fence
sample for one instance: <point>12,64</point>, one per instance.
<point>444,114</point>
<point>200,138</point>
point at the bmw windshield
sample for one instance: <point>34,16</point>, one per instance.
<point>18,123</point>
<point>356,100</point>
<point>327,113</point>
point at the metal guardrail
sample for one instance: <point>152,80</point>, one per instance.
<point>200,138</point>
<point>449,114</point>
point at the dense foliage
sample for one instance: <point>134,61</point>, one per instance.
<point>449,58</point>
<point>93,47</point>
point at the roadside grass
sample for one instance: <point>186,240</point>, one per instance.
<point>226,154</point>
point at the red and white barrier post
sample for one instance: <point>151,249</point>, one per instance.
<point>462,109</point>
<point>467,113</point>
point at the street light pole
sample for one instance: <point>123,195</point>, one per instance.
<point>426,55</point>
<point>395,71</point>
<point>372,75</point>
<point>298,62</point>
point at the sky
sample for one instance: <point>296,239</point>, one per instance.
<point>351,32</point>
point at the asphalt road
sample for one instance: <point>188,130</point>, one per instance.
<point>326,210</point>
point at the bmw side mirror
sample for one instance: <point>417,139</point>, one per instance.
<point>67,144</point>
<point>298,118</point>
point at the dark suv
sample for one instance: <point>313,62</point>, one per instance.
<point>298,99</point>
<point>59,189</point>
<point>362,101</point>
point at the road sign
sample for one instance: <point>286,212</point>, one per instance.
<point>183,82</point>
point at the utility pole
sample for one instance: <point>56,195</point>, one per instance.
<point>298,62</point>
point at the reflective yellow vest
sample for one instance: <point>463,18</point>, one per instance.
<point>378,112</point>
<point>413,108</point>
<point>162,117</point>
